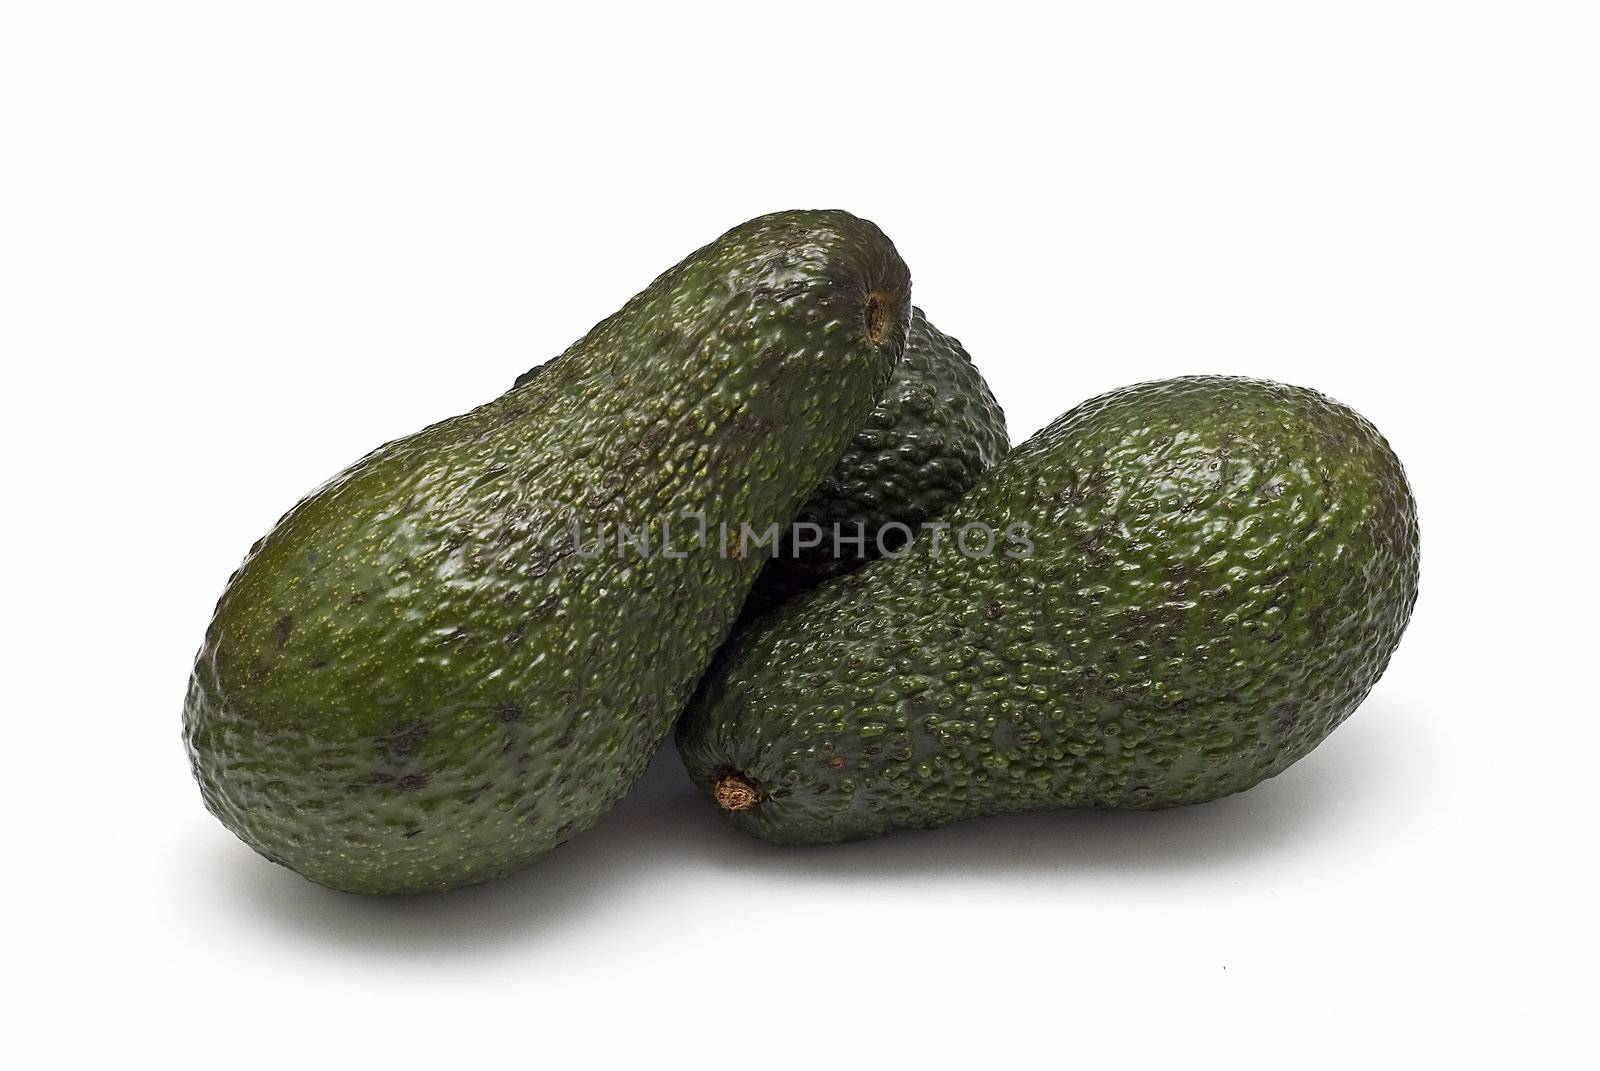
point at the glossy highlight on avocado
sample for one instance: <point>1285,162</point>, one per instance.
<point>1221,570</point>
<point>420,680</point>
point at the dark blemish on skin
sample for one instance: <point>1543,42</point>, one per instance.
<point>413,831</point>
<point>412,782</point>
<point>514,637</point>
<point>508,712</point>
<point>405,742</point>
<point>654,438</point>
<point>541,564</point>
<point>1317,622</point>
<point>358,598</point>
<point>280,631</point>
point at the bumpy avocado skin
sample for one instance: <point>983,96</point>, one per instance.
<point>416,682</point>
<point>936,430</point>
<point>1221,569</point>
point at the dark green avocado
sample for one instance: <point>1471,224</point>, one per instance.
<point>936,430</point>
<point>432,671</point>
<point>1193,583</point>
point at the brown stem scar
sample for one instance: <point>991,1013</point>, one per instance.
<point>880,317</point>
<point>734,793</point>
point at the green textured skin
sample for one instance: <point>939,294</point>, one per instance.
<point>414,683</point>
<point>936,430</point>
<point>1221,570</point>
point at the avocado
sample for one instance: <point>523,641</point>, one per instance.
<point>458,653</point>
<point>1192,582</point>
<point>936,430</point>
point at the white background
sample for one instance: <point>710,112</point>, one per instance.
<point>242,244</point>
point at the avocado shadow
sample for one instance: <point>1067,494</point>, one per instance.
<point>665,834</point>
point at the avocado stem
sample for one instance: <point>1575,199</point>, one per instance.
<point>734,793</point>
<point>880,317</point>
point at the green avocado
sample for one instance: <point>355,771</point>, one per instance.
<point>458,652</point>
<point>936,430</point>
<point>1191,583</point>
